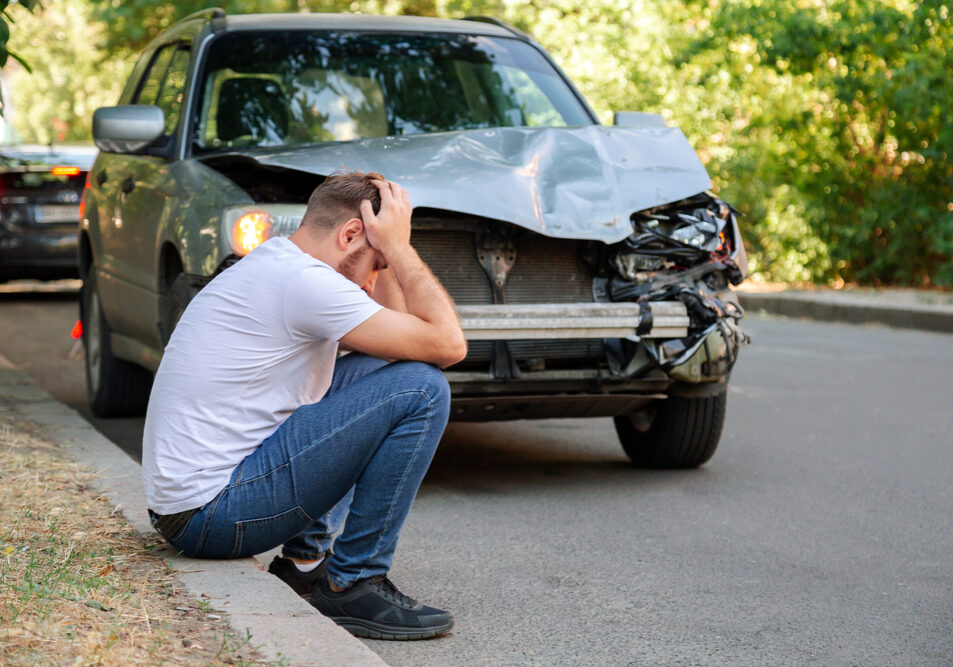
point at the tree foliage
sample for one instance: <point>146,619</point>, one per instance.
<point>71,77</point>
<point>5,20</point>
<point>863,151</point>
<point>827,122</point>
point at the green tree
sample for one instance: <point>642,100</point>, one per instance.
<point>827,122</point>
<point>71,76</point>
<point>129,26</point>
<point>862,153</point>
<point>5,20</point>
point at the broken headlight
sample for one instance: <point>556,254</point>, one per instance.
<point>693,231</point>
<point>690,231</point>
<point>699,229</point>
<point>633,265</point>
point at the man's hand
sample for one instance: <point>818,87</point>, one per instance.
<point>419,323</point>
<point>388,231</point>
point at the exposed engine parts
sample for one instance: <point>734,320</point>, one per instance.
<point>687,251</point>
<point>699,230</point>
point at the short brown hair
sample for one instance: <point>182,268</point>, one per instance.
<point>339,197</point>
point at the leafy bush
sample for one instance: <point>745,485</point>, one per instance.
<point>827,122</point>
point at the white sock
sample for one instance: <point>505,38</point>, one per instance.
<point>309,566</point>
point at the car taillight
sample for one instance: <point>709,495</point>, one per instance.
<point>250,231</point>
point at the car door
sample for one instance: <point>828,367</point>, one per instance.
<point>141,192</point>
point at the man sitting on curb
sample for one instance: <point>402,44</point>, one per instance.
<point>255,431</point>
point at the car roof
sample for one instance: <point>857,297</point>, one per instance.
<point>320,21</point>
<point>27,155</point>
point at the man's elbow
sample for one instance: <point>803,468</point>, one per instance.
<point>452,351</point>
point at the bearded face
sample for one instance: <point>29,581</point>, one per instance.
<point>359,266</point>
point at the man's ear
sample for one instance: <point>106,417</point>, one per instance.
<point>350,232</point>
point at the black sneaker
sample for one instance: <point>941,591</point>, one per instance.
<point>301,582</point>
<point>375,609</point>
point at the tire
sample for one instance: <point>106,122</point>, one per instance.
<point>116,388</point>
<point>172,304</point>
<point>678,432</point>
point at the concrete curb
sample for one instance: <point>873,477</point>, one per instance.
<point>282,626</point>
<point>858,309</point>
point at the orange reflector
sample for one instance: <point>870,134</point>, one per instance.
<point>82,201</point>
<point>77,331</point>
<point>66,171</point>
<point>251,230</point>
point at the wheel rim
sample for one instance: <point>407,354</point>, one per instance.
<point>93,344</point>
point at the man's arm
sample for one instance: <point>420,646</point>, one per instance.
<point>429,330</point>
<point>387,292</point>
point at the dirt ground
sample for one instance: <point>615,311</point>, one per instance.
<point>78,586</point>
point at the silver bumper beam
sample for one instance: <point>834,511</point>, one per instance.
<point>665,319</point>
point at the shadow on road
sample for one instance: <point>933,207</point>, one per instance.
<point>498,457</point>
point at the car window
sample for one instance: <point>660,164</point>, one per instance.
<point>149,88</point>
<point>170,95</point>
<point>164,83</point>
<point>295,87</point>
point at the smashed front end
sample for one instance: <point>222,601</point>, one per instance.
<point>583,328</point>
<point>573,305</point>
<point>689,252</point>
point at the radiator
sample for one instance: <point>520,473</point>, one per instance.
<point>546,271</point>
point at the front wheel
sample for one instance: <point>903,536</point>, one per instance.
<point>678,432</point>
<point>116,388</point>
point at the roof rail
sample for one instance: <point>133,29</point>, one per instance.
<point>215,15</point>
<point>497,22</point>
<point>210,13</point>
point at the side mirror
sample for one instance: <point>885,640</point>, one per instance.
<point>638,119</point>
<point>127,128</point>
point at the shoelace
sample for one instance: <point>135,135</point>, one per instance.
<point>389,591</point>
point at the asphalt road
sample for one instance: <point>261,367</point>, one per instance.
<point>820,533</point>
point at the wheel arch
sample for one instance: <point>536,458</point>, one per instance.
<point>170,265</point>
<point>84,253</point>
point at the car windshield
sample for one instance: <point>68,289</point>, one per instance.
<point>293,87</point>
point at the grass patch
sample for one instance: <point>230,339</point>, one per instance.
<point>78,586</point>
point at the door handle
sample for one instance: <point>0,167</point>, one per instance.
<point>101,177</point>
<point>128,185</point>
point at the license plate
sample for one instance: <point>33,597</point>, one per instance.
<point>56,213</point>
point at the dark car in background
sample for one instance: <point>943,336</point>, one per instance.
<point>41,188</point>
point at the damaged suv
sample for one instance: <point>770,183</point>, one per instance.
<point>591,269</point>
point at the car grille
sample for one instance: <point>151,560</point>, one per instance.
<point>451,256</point>
<point>546,271</point>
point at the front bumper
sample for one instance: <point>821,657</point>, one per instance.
<point>666,319</point>
<point>591,390</point>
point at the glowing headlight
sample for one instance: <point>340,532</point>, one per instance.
<point>250,231</point>
<point>248,226</point>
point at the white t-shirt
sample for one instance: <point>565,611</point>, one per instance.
<point>258,342</point>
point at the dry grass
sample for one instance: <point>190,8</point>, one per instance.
<point>78,586</point>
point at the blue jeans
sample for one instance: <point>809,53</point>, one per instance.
<point>360,453</point>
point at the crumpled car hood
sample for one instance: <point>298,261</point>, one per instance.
<point>580,183</point>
